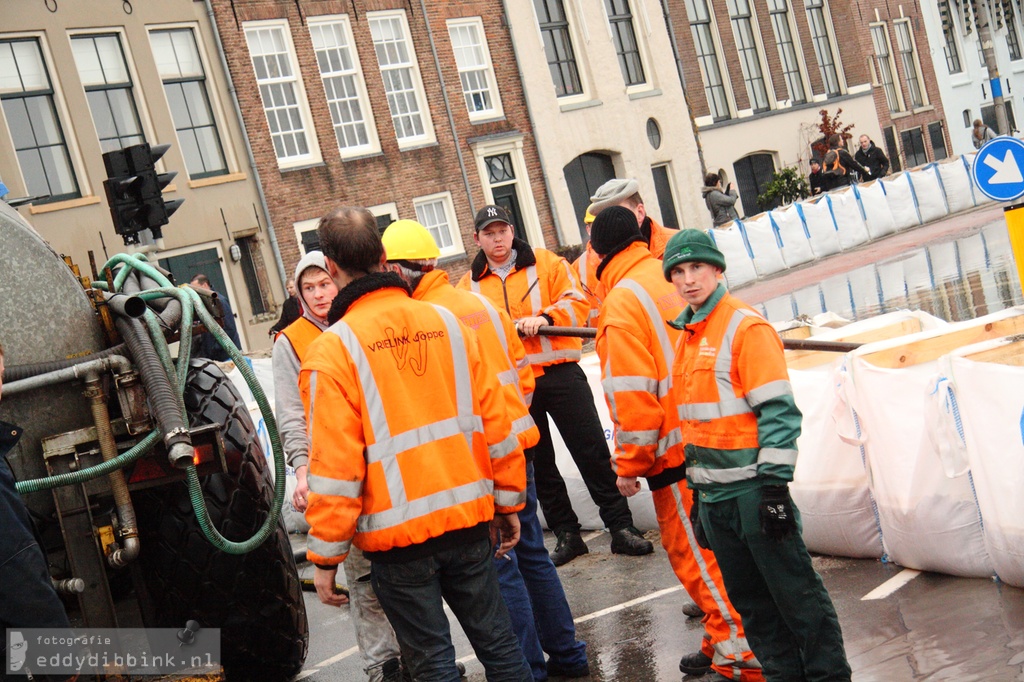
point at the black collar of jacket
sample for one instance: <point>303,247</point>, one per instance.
<point>359,288</point>
<point>524,259</point>
<point>645,230</point>
<point>9,435</point>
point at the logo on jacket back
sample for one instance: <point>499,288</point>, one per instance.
<point>407,349</point>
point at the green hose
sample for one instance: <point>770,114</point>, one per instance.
<point>73,477</point>
<point>191,302</point>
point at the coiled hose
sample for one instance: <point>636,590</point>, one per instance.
<point>190,302</point>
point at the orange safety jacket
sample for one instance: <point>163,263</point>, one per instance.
<point>300,334</point>
<point>586,269</point>
<point>410,439</point>
<point>540,283</point>
<point>586,265</point>
<point>736,409</point>
<point>500,347</point>
<point>636,345</point>
<point>656,236</point>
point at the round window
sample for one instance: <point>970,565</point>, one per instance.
<point>653,133</point>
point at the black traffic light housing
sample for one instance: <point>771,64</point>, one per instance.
<point>135,191</point>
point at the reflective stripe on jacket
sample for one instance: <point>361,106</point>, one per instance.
<point>540,283</point>
<point>586,270</point>
<point>500,347</point>
<point>409,433</point>
<point>736,408</point>
<point>635,345</point>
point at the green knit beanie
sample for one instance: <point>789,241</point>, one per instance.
<point>691,246</point>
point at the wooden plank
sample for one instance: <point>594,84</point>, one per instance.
<point>803,359</point>
<point>1009,353</point>
<point>932,348</point>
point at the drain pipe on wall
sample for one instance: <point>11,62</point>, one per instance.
<point>529,112</point>
<point>271,235</point>
<point>447,107</point>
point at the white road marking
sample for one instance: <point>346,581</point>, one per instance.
<point>892,584</point>
<point>337,657</point>
<point>306,673</point>
<point>590,536</point>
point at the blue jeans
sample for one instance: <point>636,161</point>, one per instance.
<point>536,601</point>
<point>411,595</point>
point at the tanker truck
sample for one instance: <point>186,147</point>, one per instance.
<point>141,469</point>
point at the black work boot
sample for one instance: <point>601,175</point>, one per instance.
<point>630,541</point>
<point>570,545</point>
<point>695,664</point>
<point>691,610</point>
<point>394,671</point>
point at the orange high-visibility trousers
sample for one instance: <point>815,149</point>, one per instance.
<point>724,640</point>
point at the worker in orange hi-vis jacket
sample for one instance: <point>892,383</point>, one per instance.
<point>636,344</point>
<point>412,458</point>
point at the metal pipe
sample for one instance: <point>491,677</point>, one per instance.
<point>69,586</point>
<point>128,526</point>
<point>110,363</point>
<point>788,344</point>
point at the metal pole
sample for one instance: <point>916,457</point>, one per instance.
<point>788,344</point>
<point>994,82</point>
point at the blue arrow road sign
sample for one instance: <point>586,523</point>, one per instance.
<point>998,169</point>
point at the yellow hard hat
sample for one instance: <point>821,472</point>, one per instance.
<point>408,240</point>
<point>588,217</point>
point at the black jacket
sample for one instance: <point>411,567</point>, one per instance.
<point>874,160</point>
<point>853,171</point>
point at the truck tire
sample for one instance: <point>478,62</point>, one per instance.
<point>256,598</point>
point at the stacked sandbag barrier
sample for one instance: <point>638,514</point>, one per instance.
<point>843,219</point>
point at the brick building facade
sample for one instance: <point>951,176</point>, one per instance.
<point>375,103</point>
<point>907,97</point>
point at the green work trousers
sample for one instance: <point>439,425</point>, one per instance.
<point>790,621</point>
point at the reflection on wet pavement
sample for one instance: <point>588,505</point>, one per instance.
<point>954,280</point>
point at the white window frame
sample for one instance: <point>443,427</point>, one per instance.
<point>830,32</point>
<point>457,247</point>
<point>723,68</point>
<point>427,137</point>
<point>299,228</point>
<point>795,42</point>
<point>312,155</point>
<point>897,85</point>
<point>579,36</point>
<point>372,145</point>
<point>513,146</point>
<point>17,182</point>
<point>389,209</point>
<point>496,111</point>
<point>917,59</point>
<point>213,89</point>
<point>641,33</point>
<point>759,54</point>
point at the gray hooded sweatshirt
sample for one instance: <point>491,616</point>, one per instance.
<point>721,205</point>
<point>288,408</point>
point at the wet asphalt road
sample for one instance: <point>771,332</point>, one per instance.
<point>628,610</point>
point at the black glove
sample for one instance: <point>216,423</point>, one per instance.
<point>698,527</point>
<point>776,511</point>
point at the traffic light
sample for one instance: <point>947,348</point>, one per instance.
<point>135,191</point>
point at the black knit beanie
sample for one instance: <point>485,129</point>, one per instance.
<point>613,226</point>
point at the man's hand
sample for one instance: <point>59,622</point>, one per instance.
<point>776,512</point>
<point>628,485</point>
<point>505,529</point>
<point>323,580</point>
<point>528,326</point>
<point>301,494</point>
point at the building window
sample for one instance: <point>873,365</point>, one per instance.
<point>905,43</point>
<point>1012,38</point>
<point>704,43</point>
<point>343,86</point>
<point>398,68</point>
<point>778,10</point>
<point>554,29</point>
<point>913,147</point>
<point>280,91</point>
<point>666,202</point>
<point>891,150</point>
<point>653,133</point>
<point>938,140</point>
<point>822,46</point>
<point>437,214</point>
<point>753,173</point>
<point>184,79</point>
<point>620,18</point>
<point>883,58</point>
<point>28,103</point>
<point>949,36</point>
<point>750,60</point>
<point>108,87</point>
<point>473,59</point>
